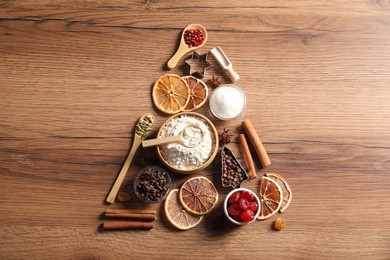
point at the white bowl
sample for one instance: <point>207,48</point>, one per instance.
<point>226,209</point>
<point>225,98</point>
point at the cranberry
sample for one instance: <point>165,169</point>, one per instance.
<point>253,206</point>
<point>247,215</point>
<point>234,197</point>
<point>243,204</point>
<point>237,218</point>
<point>234,210</point>
<point>247,195</point>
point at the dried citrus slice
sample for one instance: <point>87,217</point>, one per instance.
<point>199,92</point>
<point>287,193</point>
<point>177,215</point>
<point>198,195</point>
<point>271,197</point>
<point>171,94</point>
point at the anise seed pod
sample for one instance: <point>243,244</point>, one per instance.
<point>214,82</point>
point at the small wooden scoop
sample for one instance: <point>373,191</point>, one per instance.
<point>184,48</point>
<point>224,62</point>
<point>181,138</point>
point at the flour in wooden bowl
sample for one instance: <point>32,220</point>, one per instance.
<point>185,158</point>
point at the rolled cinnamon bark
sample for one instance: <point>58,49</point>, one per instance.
<point>131,214</point>
<point>123,225</point>
<point>247,156</point>
<point>256,142</point>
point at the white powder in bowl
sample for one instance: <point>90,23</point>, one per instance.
<point>227,102</point>
<point>180,156</point>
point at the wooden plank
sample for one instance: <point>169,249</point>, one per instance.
<point>75,76</point>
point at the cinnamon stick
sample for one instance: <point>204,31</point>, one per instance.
<point>256,142</point>
<point>247,156</point>
<point>123,225</point>
<point>147,215</point>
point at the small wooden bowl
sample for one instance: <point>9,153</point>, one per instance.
<point>215,144</point>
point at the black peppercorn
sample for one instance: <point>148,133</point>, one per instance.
<point>233,174</point>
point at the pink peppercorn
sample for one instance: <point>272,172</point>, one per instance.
<point>193,37</point>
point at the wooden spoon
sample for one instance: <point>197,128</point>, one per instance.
<point>184,48</point>
<point>181,138</point>
<point>139,136</point>
<point>224,62</point>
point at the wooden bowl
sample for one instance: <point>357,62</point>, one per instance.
<point>214,149</point>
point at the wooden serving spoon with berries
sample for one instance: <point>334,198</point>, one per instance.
<point>193,37</point>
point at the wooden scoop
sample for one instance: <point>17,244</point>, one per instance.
<point>184,48</point>
<point>138,138</point>
<point>181,138</point>
<point>225,63</point>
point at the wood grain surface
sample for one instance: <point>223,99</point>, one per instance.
<point>75,76</point>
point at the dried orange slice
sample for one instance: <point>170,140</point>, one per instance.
<point>287,193</point>
<point>171,94</point>
<point>271,197</point>
<point>177,215</point>
<point>199,92</point>
<point>198,195</point>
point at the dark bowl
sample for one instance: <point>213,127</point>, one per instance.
<point>152,184</point>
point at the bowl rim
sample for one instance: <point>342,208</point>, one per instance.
<point>226,211</point>
<point>219,89</point>
<point>215,144</point>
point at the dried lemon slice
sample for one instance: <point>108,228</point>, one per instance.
<point>271,197</point>
<point>171,94</point>
<point>198,195</point>
<point>199,93</point>
<point>287,193</point>
<point>177,215</point>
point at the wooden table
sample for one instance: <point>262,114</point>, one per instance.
<point>75,76</point>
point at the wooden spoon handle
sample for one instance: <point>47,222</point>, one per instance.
<point>164,140</point>
<point>115,188</point>
<point>183,49</point>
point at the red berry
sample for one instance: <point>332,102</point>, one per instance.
<point>247,195</point>
<point>234,197</point>
<point>234,210</point>
<point>247,215</point>
<point>253,206</point>
<point>243,203</point>
<point>237,218</point>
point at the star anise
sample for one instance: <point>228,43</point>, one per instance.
<point>215,81</point>
<point>225,137</point>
